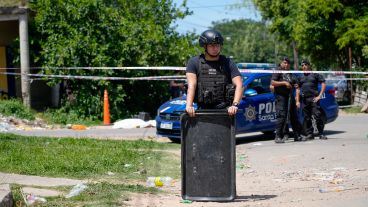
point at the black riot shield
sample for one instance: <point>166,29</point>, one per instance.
<point>208,156</point>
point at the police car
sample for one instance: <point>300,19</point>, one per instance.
<point>257,108</point>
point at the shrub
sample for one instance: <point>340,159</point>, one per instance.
<point>14,107</point>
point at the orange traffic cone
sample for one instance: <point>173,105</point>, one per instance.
<point>106,114</point>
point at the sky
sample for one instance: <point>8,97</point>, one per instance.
<point>207,11</point>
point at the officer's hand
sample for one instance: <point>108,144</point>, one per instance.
<point>316,99</point>
<point>287,84</point>
<point>232,110</point>
<point>190,110</point>
<point>272,88</point>
<point>298,104</point>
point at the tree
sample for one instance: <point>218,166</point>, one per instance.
<point>109,33</point>
<point>250,41</point>
<point>322,29</point>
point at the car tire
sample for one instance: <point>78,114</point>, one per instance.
<point>268,132</point>
<point>175,140</point>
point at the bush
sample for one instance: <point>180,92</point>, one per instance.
<point>65,116</point>
<point>14,107</point>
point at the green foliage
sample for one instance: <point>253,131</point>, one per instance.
<point>363,84</point>
<point>250,41</point>
<point>86,158</point>
<point>365,51</point>
<point>109,33</point>
<point>322,29</point>
<point>14,107</point>
<point>66,115</point>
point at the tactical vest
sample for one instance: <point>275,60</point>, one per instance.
<point>212,82</point>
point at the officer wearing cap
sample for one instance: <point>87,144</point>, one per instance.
<point>283,84</point>
<point>211,77</point>
<point>308,84</point>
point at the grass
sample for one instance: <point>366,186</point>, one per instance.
<point>89,159</point>
<point>353,110</point>
<point>96,194</point>
<point>14,107</point>
<point>86,158</point>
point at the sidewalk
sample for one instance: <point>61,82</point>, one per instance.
<point>7,179</point>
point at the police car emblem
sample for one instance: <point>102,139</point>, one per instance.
<point>250,113</point>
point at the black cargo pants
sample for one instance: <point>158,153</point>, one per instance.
<point>281,113</point>
<point>310,109</point>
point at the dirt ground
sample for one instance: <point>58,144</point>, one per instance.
<point>292,174</point>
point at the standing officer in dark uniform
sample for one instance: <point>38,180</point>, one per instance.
<point>308,84</point>
<point>211,77</point>
<point>283,84</point>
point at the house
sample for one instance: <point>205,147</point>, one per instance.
<point>34,93</point>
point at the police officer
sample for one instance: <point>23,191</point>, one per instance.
<point>283,84</point>
<point>308,84</point>
<point>210,77</point>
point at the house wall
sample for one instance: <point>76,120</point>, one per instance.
<point>3,77</point>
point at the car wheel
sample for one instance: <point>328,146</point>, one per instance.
<point>268,132</point>
<point>175,140</point>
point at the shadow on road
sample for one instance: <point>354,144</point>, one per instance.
<point>253,198</point>
<point>244,138</point>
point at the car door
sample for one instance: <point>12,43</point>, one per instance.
<point>259,112</point>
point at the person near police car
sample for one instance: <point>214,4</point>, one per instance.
<point>310,97</point>
<point>283,84</point>
<point>214,81</point>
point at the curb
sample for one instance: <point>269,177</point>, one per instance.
<point>6,197</point>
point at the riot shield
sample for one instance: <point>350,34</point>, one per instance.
<point>208,156</point>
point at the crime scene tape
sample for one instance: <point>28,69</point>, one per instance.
<point>173,77</point>
<point>250,70</point>
<point>102,68</point>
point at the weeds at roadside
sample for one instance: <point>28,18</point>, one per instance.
<point>96,194</point>
<point>353,110</point>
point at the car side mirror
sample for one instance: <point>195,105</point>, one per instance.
<point>250,93</point>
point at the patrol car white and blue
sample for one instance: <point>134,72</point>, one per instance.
<point>257,108</point>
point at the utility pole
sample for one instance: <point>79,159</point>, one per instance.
<point>24,58</point>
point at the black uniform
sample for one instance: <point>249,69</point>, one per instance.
<point>214,81</point>
<point>308,84</point>
<point>284,97</point>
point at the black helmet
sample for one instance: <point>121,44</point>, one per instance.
<point>210,37</point>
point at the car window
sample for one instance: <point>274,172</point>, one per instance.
<point>261,84</point>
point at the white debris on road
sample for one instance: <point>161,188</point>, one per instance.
<point>12,124</point>
<point>133,123</point>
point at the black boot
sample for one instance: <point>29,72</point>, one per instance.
<point>321,136</point>
<point>299,138</point>
<point>310,136</point>
<point>279,140</point>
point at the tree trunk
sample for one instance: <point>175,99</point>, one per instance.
<point>295,51</point>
